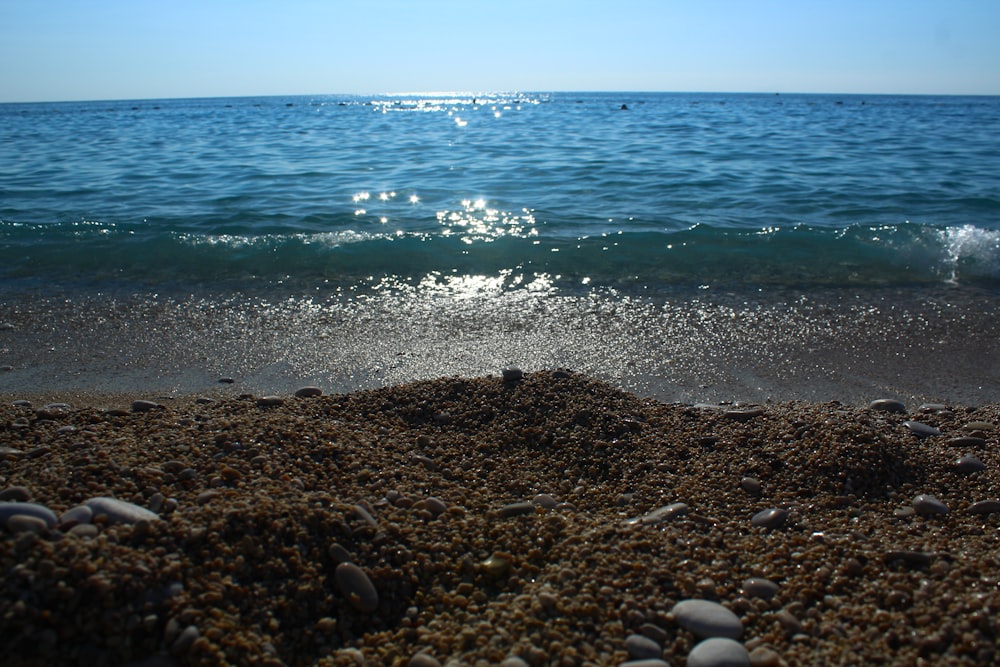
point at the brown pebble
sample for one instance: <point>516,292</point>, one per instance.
<point>354,583</point>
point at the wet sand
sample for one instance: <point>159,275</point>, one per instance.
<point>497,521</point>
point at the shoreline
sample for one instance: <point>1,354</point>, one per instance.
<point>688,346</point>
<point>550,518</point>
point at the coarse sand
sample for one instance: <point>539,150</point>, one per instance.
<point>496,521</point>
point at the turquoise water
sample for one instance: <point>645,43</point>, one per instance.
<point>553,191</point>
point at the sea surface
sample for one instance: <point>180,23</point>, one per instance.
<point>690,240</point>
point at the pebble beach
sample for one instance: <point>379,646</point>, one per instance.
<point>539,518</point>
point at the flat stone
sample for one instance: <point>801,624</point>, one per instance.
<point>968,465</point>
<point>770,518</point>
<point>145,406</point>
<point>119,511</point>
<point>705,619</point>
<point>517,509</point>
<point>926,504</point>
<point>665,513</point>
<point>308,392</point>
<point>647,662</point>
<point>921,430</point>
<point>743,414</point>
<point>887,405</point>
<point>270,401</point>
<point>980,426</point>
<point>434,505</point>
<point>758,587</point>
<point>641,647</point>
<point>9,509</point>
<point>718,652</point>
<point>985,507</point>
<point>966,441</point>
<point>359,590</point>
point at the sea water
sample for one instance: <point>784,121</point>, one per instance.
<point>753,243</point>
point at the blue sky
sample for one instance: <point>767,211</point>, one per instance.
<point>134,49</point>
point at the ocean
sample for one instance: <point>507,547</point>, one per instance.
<point>685,246</point>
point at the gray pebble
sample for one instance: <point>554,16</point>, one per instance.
<point>647,662</point>
<point>743,415</point>
<point>887,405</point>
<point>8,509</point>
<point>119,511</point>
<point>718,652</point>
<point>76,515</point>
<point>640,647</point>
<point>354,583</point>
<point>920,429</point>
<point>308,392</point>
<point>758,587</point>
<point>654,632</point>
<point>434,505</point>
<point>925,504</point>
<point>544,500</point>
<point>707,619</point>
<point>770,518</point>
<point>985,507</point>
<point>968,465</point>
<point>514,661</point>
<point>84,530</point>
<point>512,374</point>
<point>145,406</point>
<point>666,513</point>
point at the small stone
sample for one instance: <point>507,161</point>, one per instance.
<point>119,511</point>
<point>76,515</point>
<point>646,662</point>
<point>641,647</point>
<point>354,583</point>
<point>979,426</point>
<point>967,465</point>
<point>926,504</point>
<point>517,509</point>
<point>967,441</point>
<point>903,512</point>
<point>434,505</point>
<point>9,509</point>
<point>763,656</point>
<point>226,380</point>
<point>921,430</point>
<point>270,401</point>
<point>789,622</point>
<point>743,415</point>
<point>25,523</point>
<point>512,374</point>
<point>185,640</point>
<point>15,494</point>
<point>654,632</point>
<point>514,661</point>
<point>308,392</point>
<point>750,485</point>
<point>985,507</point>
<point>145,406</point>
<point>758,587</point>
<point>666,513</point>
<point>544,500</point>
<point>887,405</point>
<point>770,518</point>
<point>207,496</point>
<point>496,566</point>
<point>718,652</point>
<point>707,619</point>
<point>424,660</point>
<point>912,558</point>
<point>84,530</point>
